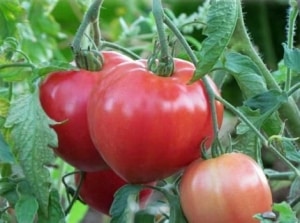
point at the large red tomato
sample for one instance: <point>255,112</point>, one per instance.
<point>64,97</point>
<point>146,126</point>
<point>98,189</point>
<point>230,188</point>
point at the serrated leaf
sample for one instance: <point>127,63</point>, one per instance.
<point>291,58</point>
<point>32,138</point>
<point>26,209</point>
<point>120,209</point>
<point>268,101</point>
<point>5,154</point>
<point>286,213</point>
<point>246,74</point>
<point>221,21</point>
<point>55,212</point>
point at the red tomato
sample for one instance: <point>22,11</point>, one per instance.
<point>148,127</point>
<point>227,189</point>
<point>98,189</point>
<point>64,97</point>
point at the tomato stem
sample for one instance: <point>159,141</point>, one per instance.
<point>288,111</point>
<point>105,44</point>
<point>82,58</point>
<point>211,94</point>
<point>165,66</point>
<point>75,196</point>
<point>263,139</point>
<point>292,16</point>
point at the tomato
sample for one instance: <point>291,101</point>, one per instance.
<point>64,97</point>
<point>229,188</point>
<point>148,127</point>
<point>98,188</point>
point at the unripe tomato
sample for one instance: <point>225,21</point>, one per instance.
<point>148,127</point>
<point>98,189</point>
<point>64,97</point>
<point>231,188</point>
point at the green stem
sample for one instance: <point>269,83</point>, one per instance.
<point>288,111</point>
<point>293,89</point>
<point>290,175</point>
<point>124,50</point>
<point>264,141</point>
<point>90,17</point>
<point>293,13</point>
<point>75,196</point>
<point>30,65</point>
<point>89,59</point>
<point>194,60</point>
<point>165,65</point>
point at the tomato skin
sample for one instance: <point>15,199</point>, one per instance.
<point>148,127</point>
<point>98,189</point>
<point>229,188</point>
<point>64,97</point>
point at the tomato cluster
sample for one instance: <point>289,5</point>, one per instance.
<point>126,124</point>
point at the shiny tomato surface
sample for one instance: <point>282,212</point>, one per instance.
<point>230,188</point>
<point>64,97</point>
<point>98,188</point>
<point>148,127</point>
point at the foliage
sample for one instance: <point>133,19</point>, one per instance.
<point>35,39</point>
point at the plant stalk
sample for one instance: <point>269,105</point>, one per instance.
<point>165,65</point>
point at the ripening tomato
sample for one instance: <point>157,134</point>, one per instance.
<point>64,97</point>
<point>148,127</point>
<point>98,188</point>
<point>230,188</point>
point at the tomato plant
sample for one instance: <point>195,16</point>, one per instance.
<point>98,188</point>
<point>229,188</point>
<point>145,119</point>
<point>64,96</point>
<point>148,127</point>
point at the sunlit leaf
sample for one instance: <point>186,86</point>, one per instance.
<point>11,13</point>
<point>32,138</point>
<point>286,213</point>
<point>218,34</point>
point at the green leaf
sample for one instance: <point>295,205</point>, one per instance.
<point>46,67</point>
<point>288,148</point>
<point>11,13</point>
<point>32,138</point>
<point>248,143</point>
<point>286,213</point>
<point>246,74</point>
<point>26,209</point>
<point>268,101</point>
<point>5,155</point>
<point>121,209</point>
<point>291,58</point>
<point>16,73</point>
<point>221,22</point>
<point>55,212</point>
<point>294,192</point>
